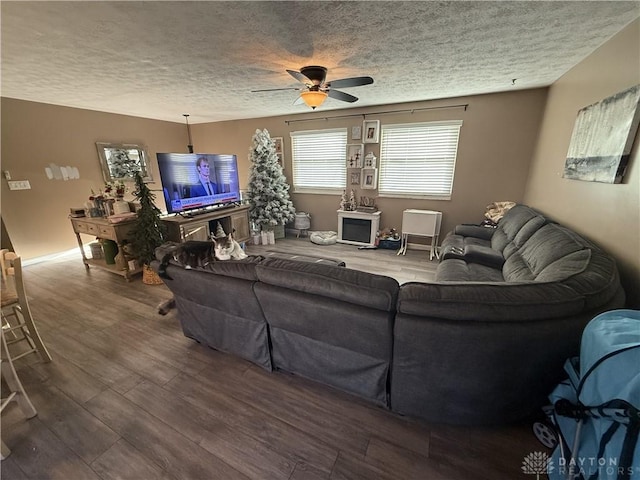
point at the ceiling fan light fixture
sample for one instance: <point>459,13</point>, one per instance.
<point>313,98</point>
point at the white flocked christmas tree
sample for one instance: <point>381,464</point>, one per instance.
<point>268,192</point>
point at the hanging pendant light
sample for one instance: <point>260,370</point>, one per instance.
<point>190,146</point>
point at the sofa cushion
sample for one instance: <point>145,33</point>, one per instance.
<point>305,258</point>
<point>460,241</point>
<point>565,267</point>
<point>352,286</point>
<point>453,246</point>
<point>499,240</point>
<point>547,245</point>
<point>511,224</point>
<point>457,270</point>
<point>528,229</point>
<point>484,233</point>
<point>489,302</point>
<point>598,281</point>
<point>516,269</point>
<point>515,219</point>
<point>484,256</point>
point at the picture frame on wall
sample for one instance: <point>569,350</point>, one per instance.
<point>354,178</point>
<point>371,131</point>
<point>370,160</point>
<point>603,137</point>
<point>121,161</point>
<point>279,143</point>
<point>355,153</point>
<point>356,132</point>
<point>369,178</point>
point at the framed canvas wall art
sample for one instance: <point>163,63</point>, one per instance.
<point>602,138</point>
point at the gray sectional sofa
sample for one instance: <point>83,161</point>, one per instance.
<point>483,344</point>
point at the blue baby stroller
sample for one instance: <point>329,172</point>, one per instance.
<point>595,413</point>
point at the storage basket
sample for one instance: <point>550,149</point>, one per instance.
<point>302,221</point>
<point>150,277</point>
<point>389,244</point>
<point>96,250</point>
<point>278,231</point>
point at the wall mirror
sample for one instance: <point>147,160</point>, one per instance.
<point>120,161</point>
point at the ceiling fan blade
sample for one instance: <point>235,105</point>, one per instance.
<point>345,97</point>
<point>350,82</point>
<point>299,76</point>
<point>298,101</point>
<point>274,89</point>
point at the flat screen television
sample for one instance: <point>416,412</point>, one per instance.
<point>193,181</point>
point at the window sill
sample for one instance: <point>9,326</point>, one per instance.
<point>413,196</point>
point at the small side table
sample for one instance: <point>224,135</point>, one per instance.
<point>101,228</point>
<point>422,223</point>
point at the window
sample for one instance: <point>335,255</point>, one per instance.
<point>418,160</point>
<point>319,162</point>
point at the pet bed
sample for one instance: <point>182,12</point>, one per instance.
<point>323,238</point>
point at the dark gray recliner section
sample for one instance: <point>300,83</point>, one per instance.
<point>485,345</point>
<point>330,324</point>
<point>221,310</point>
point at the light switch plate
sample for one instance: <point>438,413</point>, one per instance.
<point>19,185</point>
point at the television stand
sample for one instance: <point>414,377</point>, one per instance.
<point>200,225</point>
<point>203,211</point>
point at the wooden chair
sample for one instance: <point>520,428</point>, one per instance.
<point>17,320</point>
<point>16,390</point>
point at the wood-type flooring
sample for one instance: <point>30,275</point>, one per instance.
<point>127,396</point>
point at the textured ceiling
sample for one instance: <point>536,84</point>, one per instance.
<point>162,59</point>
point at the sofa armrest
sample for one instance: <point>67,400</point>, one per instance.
<point>477,231</point>
<point>489,301</point>
<point>484,256</point>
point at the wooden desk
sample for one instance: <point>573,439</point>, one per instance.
<point>101,228</point>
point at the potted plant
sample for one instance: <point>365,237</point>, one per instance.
<point>148,233</point>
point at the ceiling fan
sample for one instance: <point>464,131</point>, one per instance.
<point>317,89</point>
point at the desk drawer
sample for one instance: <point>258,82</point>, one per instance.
<point>80,227</point>
<point>107,232</point>
<point>88,228</point>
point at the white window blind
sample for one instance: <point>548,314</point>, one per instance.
<point>319,160</point>
<point>418,159</point>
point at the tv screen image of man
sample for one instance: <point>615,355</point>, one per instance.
<point>205,186</point>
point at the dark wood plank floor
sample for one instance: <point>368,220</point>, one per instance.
<point>127,396</point>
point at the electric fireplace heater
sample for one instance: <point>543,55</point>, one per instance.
<point>358,228</point>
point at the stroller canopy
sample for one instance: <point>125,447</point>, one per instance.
<point>610,359</point>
